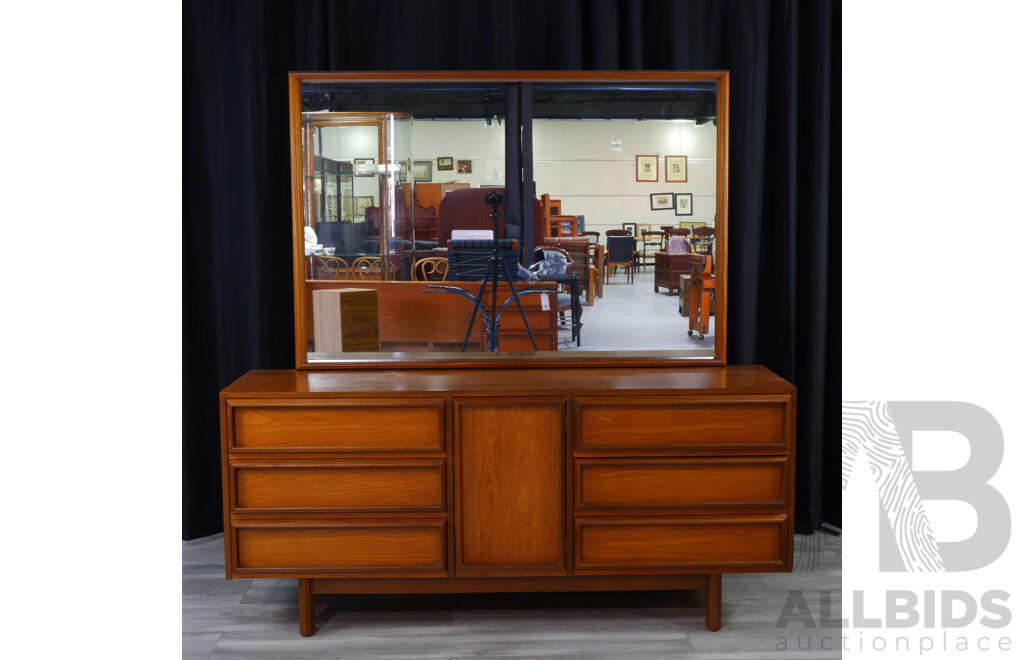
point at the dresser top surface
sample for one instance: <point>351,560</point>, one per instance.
<point>578,381</point>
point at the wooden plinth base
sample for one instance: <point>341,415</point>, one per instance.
<point>310,587</point>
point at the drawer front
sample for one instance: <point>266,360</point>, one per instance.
<point>349,486</point>
<point>677,423</point>
<point>651,545</point>
<point>366,426</point>
<point>644,484</point>
<point>385,548</point>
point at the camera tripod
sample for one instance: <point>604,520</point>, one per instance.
<point>496,267</point>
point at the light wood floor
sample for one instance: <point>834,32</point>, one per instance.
<point>254,619</point>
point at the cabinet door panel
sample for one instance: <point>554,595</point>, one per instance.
<point>510,487</point>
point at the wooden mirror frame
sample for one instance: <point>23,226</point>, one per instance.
<point>445,360</point>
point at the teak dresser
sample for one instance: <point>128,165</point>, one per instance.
<point>504,480</point>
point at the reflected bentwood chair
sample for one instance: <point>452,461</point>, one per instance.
<point>430,269</point>
<point>368,268</point>
<point>334,268</point>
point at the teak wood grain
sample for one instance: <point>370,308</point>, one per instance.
<point>667,380</point>
<point>658,544</point>
<point>508,480</point>
<point>341,486</point>
<point>410,316</point>
<point>660,483</point>
<point>412,425</point>
<point>345,320</point>
<point>509,487</point>
<point>680,424</point>
<point>343,547</point>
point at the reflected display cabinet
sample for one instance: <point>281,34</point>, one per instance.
<point>442,472</point>
<point>331,182</point>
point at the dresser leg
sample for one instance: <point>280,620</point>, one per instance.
<point>307,608</point>
<point>713,602</point>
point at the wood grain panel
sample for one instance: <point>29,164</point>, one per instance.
<point>345,320</point>
<point>408,315</point>
<point>642,484</point>
<point>510,487</point>
<point>663,543</point>
<point>357,427</point>
<point>348,486</point>
<point>344,547</point>
<point>680,423</point>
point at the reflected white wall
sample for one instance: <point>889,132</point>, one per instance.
<point>588,165</point>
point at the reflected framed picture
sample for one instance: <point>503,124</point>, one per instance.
<point>630,227</point>
<point>684,203</point>
<point>444,163</point>
<point>364,167</point>
<point>422,170</point>
<point>465,167</point>
<point>661,201</point>
<point>361,203</point>
<point>675,169</point>
<point>646,168</point>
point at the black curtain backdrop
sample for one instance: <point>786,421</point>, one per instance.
<point>784,232</point>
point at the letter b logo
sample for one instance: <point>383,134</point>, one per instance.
<point>883,431</point>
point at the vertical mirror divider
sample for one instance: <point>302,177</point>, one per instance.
<point>722,217</point>
<point>298,242</point>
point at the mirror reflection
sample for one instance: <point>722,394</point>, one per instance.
<point>610,207</point>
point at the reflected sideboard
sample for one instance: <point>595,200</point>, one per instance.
<point>504,480</point>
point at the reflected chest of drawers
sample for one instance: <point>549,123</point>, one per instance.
<point>499,480</point>
<point>667,269</point>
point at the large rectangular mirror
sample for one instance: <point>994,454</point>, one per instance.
<point>607,192</point>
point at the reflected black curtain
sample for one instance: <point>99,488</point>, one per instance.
<point>784,269</point>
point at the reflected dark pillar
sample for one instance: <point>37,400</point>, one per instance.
<point>513,163</point>
<point>519,185</point>
<point>528,184</point>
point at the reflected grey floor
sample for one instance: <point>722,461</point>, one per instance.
<point>254,619</point>
<point>632,317</point>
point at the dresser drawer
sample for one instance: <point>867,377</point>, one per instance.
<point>356,426</point>
<point>656,544</point>
<point>657,424</point>
<point>352,486</point>
<point>385,548</point>
<point>608,484</point>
